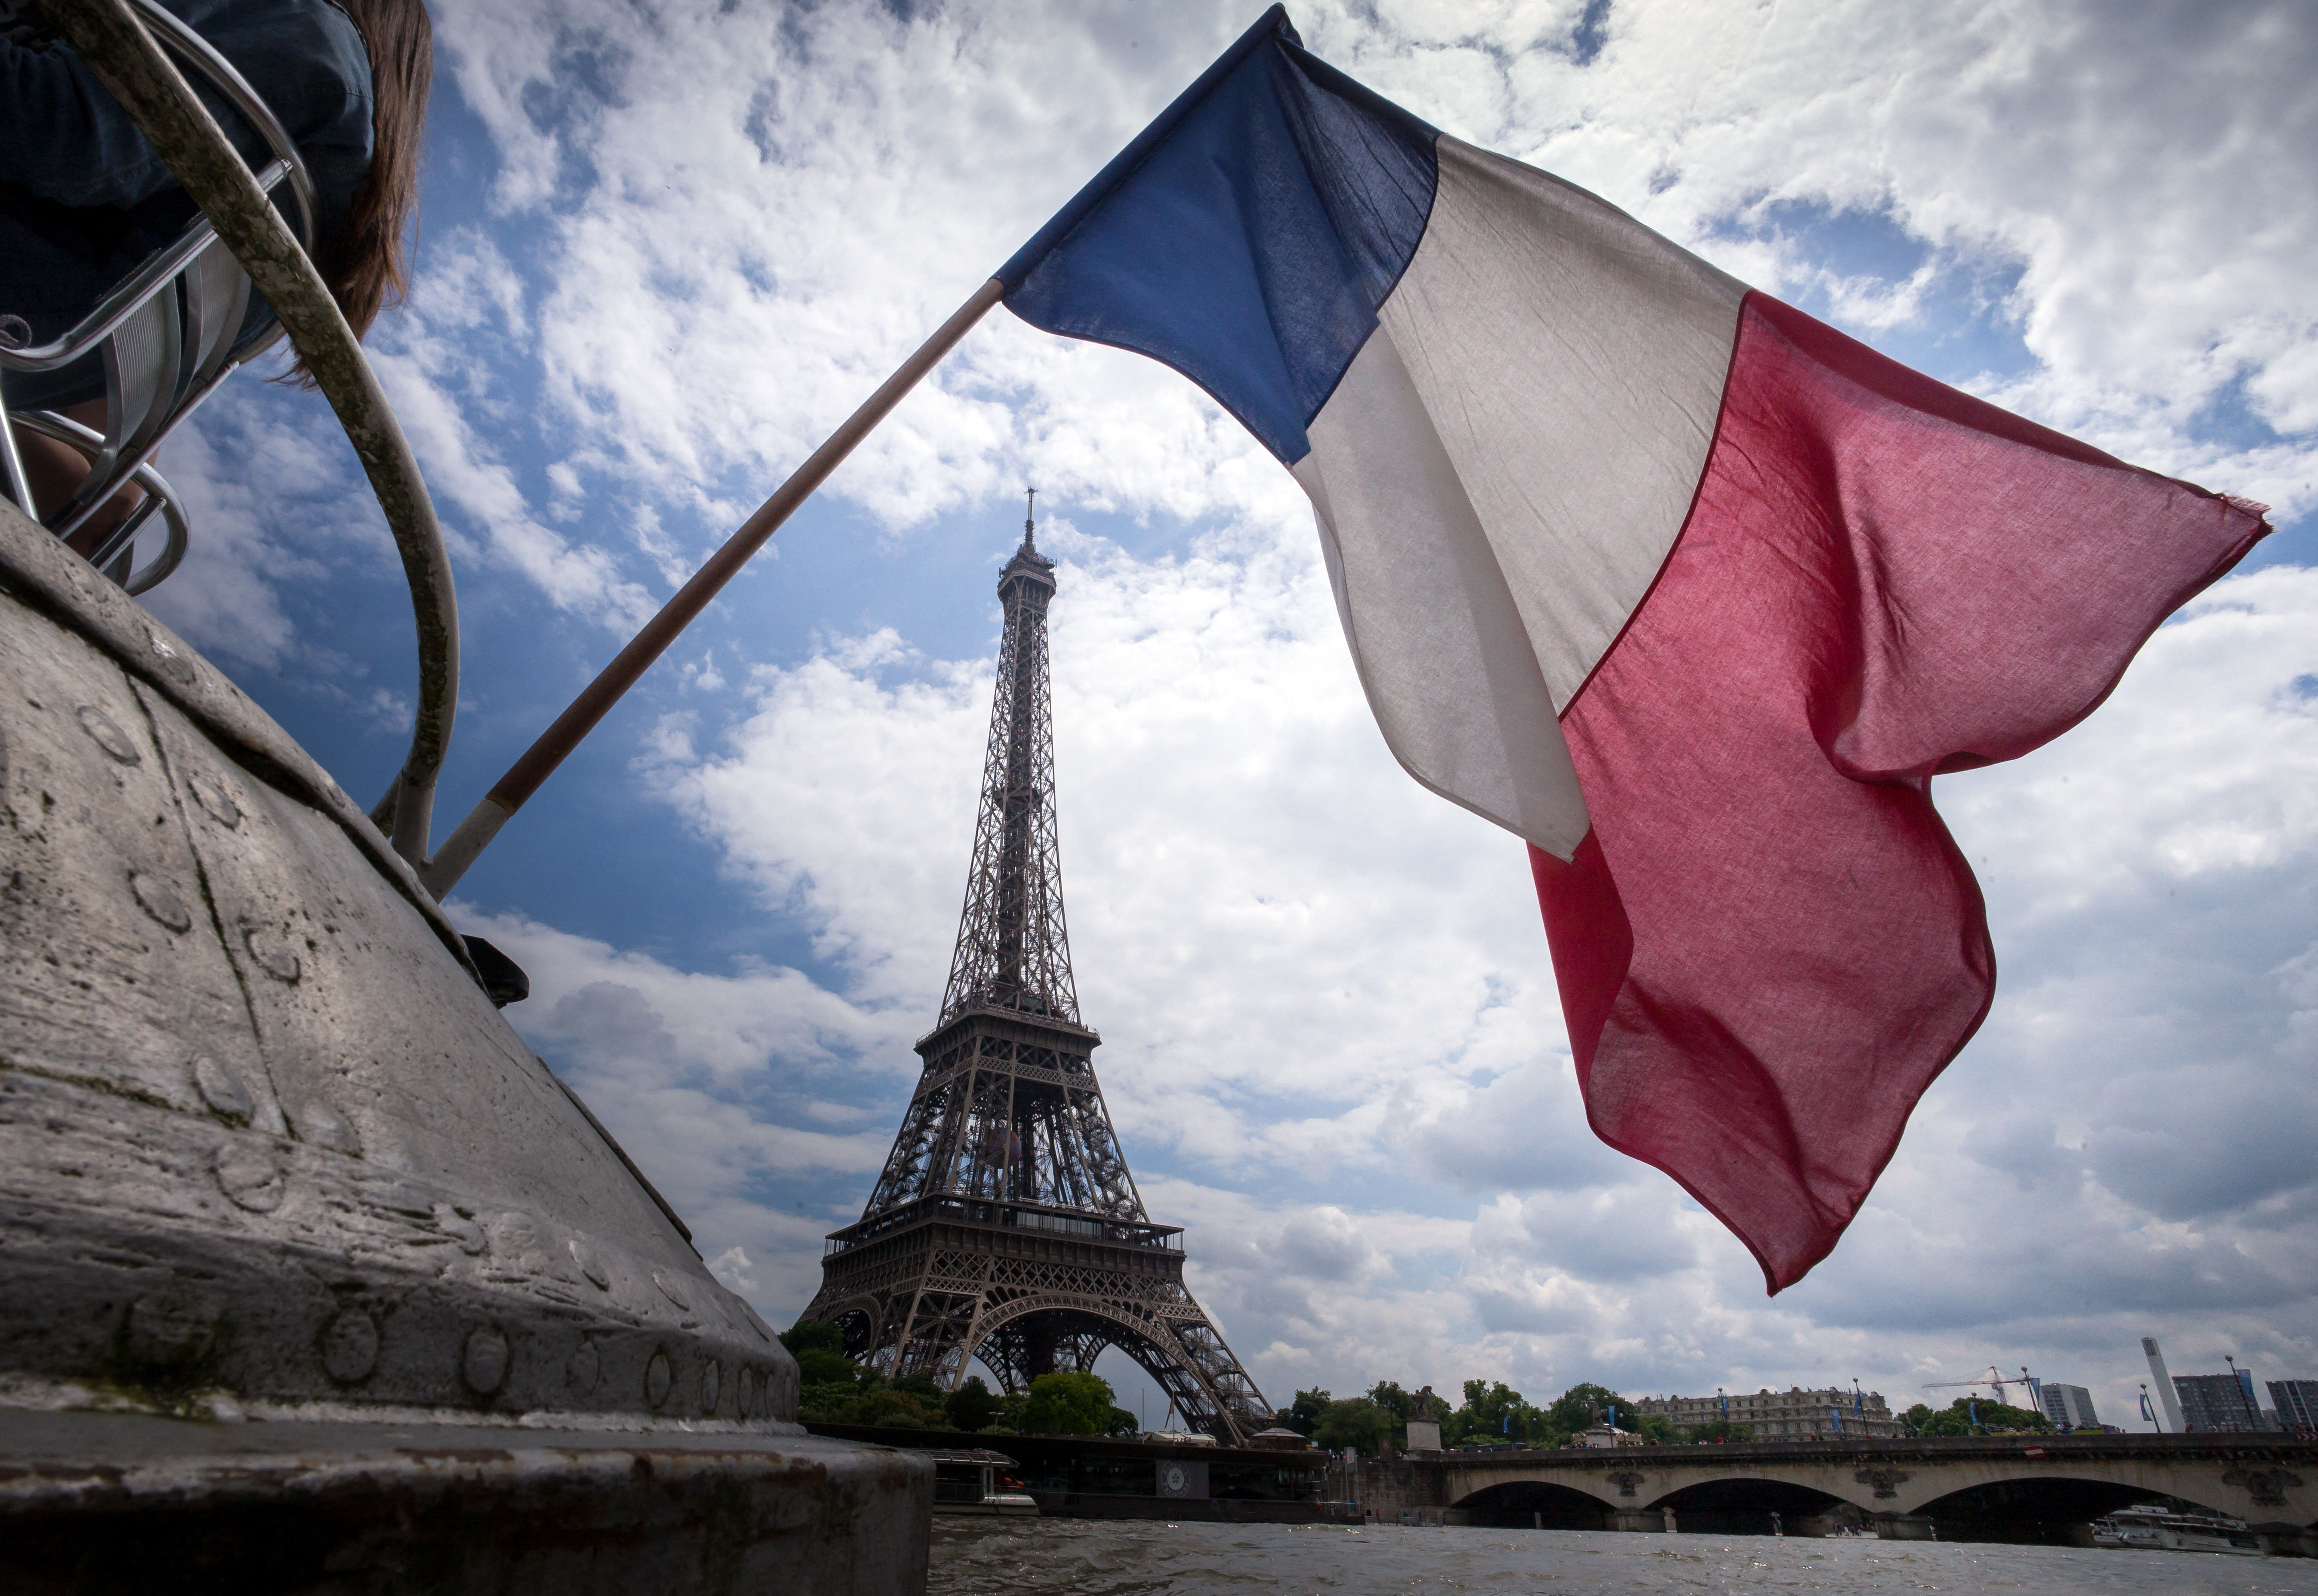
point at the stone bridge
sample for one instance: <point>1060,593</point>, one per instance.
<point>1992,1488</point>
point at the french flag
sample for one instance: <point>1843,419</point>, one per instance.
<point>1689,590</point>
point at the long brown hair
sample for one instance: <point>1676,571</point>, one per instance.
<point>363,259</point>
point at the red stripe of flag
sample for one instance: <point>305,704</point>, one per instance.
<point>1769,945</point>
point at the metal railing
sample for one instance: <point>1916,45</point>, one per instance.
<point>1010,1216</point>
<point>164,337</point>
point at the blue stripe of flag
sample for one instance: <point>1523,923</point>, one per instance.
<point>1246,237</point>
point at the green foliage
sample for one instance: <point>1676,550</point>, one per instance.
<point>892,1405</point>
<point>817,1366</point>
<point>1719,1429</point>
<point>1303,1414</point>
<point>2002,1416</point>
<point>833,1389</point>
<point>828,1381</point>
<point>812,1334</point>
<point>871,1401</point>
<point>1654,1428</point>
<point>1582,1407</point>
<point>1011,1409</point>
<point>971,1406</point>
<point>1124,1423</point>
<point>1492,1413</point>
<point>1068,1402</point>
<point>1972,1415</point>
<point>1391,1399</point>
<point>1358,1423</point>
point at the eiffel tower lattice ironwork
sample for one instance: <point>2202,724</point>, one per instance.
<point>1005,1226</point>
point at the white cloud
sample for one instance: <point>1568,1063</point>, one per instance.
<point>731,1267</point>
<point>733,256</point>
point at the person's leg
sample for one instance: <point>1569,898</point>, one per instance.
<point>55,470</point>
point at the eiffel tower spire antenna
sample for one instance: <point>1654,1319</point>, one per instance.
<point>1005,1226</point>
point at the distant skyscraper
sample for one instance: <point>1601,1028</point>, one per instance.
<point>2162,1383</point>
<point>2071,1407</point>
<point>2296,1402</point>
<point>2218,1402</point>
<point>2263,1415</point>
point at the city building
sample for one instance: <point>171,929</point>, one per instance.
<point>2068,1407</point>
<point>1792,1414</point>
<point>2219,1403</point>
<point>2296,1402</point>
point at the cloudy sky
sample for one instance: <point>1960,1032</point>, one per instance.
<point>666,246</point>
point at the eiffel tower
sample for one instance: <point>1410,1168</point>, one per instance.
<point>1005,1225</point>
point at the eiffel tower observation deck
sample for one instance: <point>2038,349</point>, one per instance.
<point>1005,1225</point>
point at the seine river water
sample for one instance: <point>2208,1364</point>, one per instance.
<point>1095,1558</point>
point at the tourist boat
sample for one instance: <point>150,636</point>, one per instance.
<point>966,1480</point>
<point>2153,1529</point>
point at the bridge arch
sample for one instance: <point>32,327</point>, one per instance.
<point>857,1321</point>
<point>1534,1504</point>
<point>2037,1508</point>
<point>1094,1324</point>
<point>1749,1504</point>
<point>1221,1401</point>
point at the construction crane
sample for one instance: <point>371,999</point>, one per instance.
<point>1998,1379</point>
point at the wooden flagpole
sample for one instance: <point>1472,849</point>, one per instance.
<point>523,778</point>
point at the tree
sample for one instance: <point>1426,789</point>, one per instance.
<point>828,1381</point>
<point>1582,1407</point>
<point>1123,1422</point>
<point>2001,1416</point>
<point>1492,1413</point>
<point>814,1333</point>
<point>1719,1430</point>
<point>1654,1428</point>
<point>1304,1413</point>
<point>817,1366</point>
<point>1357,1423</point>
<point>1070,1402</point>
<point>924,1387</point>
<point>892,1405</point>
<point>1972,1415</point>
<point>825,1404</point>
<point>1388,1396</point>
<point>971,1406</point>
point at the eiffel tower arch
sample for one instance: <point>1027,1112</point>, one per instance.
<point>1005,1226</point>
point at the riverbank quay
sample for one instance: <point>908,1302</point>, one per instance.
<point>125,1502</point>
<point>1073,1476</point>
